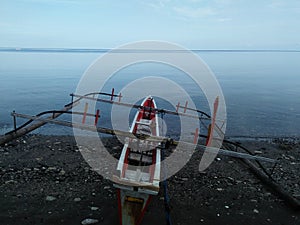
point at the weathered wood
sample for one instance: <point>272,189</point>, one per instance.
<point>11,136</point>
<point>131,183</point>
<point>271,184</point>
<point>290,200</point>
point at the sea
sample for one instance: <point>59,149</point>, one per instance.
<point>261,88</point>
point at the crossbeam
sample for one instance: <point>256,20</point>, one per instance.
<point>154,139</point>
<point>147,108</point>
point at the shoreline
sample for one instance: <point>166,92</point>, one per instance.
<point>233,137</point>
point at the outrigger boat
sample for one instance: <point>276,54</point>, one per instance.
<point>138,172</point>
<point>138,169</point>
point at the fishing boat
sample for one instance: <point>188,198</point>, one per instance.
<point>138,170</point>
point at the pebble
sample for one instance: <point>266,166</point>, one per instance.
<point>231,179</point>
<point>292,157</point>
<point>267,194</point>
<point>50,198</point>
<point>93,208</point>
<point>89,221</point>
<point>10,182</point>
<point>257,152</point>
<point>255,211</point>
<point>226,207</point>
<point>52,168</point>
<point>77,199</point>
<point>62,172</point>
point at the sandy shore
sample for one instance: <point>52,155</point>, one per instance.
<point>45,180</point>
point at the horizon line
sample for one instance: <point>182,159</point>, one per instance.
<point>103,50</point>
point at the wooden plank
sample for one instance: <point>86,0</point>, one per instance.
<point>144,185</point>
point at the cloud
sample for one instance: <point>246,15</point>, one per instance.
<point>224,2</point>
<point>5,24</point>
<point>195,1</point>
<point>187,9</point>
<point>194,12</point>
<point>224,20</point>
<point>55,2</point>
<point>156,4</point>
<point>276,4</point>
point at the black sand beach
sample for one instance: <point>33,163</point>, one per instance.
<point>45,180</point>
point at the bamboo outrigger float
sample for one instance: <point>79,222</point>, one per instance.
<point>138,173</point>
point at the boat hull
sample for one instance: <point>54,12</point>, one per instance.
<point>138,171</point>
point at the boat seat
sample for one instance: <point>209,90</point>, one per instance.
<point>144,122</point>
<point>143,129</point>
<point>137,156</point>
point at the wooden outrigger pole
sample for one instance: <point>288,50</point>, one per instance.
<point>27,129</point>
<point>24,129</point>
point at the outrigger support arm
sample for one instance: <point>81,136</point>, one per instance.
<point>20,132</point>
<point>165,111</point>
<point>26,128</point>
<point>149,139</point>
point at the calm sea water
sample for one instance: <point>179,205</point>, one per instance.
<point>261,89</point>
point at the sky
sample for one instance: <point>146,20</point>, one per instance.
<point>194,24</point>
